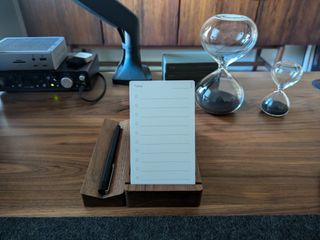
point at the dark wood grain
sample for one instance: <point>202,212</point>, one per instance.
<point>175,22</point>
<point>158,22</point>
<point>122,192</point>
<point>250,163</point>
<point>61,18</point>
<point>289,22</point>
<point>91,182</point>
<point>193,13</point>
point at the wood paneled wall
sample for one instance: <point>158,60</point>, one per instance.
<point>61,18</point>
<point>176,22</point>
<point>193,13</point>
<point>158,22</point>
<point>289,22</point>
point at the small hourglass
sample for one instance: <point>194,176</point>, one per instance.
<point>284,74</point>
<point>227,38</point>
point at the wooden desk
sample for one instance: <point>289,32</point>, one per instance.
<point>250,163</point>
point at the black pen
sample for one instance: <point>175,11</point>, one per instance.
<point>109,163</point>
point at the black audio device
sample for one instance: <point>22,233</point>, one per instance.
<point>65,78</point>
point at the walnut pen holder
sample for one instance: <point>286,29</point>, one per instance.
<point>121,192</point>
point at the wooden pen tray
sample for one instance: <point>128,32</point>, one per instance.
<point>122,193</point>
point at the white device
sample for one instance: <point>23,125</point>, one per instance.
<point>32,53</point>
<point>87,57</point>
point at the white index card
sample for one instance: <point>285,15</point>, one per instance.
<point>162,132</point>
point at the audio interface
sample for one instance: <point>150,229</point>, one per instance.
<point>64,78</point>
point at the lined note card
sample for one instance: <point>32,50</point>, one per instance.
<point>162,132</point>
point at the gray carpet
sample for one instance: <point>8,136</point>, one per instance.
<point>232,227</point>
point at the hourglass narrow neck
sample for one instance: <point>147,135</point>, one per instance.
<point>279,91</point>
<point>280,88</point>
<point>222,61</point>
<point>222,65</point>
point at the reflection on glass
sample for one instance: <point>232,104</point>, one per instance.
<point>284,74</point>
<point>227,38</point>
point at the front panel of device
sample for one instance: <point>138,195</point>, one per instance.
<point>17,81</point>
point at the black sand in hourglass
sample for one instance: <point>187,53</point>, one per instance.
<point>274,107</point>
<point>220,102</point>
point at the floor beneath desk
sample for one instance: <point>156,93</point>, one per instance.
<point>245,227</point>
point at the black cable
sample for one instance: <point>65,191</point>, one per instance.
<point>95,100</point>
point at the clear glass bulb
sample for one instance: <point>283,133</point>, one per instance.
<point>227,38</point>
<point>284,74</point>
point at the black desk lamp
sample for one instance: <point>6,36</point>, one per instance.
<point>117,15</point>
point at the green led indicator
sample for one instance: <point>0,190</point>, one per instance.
<point>52,84</point>
<point>56,98</point>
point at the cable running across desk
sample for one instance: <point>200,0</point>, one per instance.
<point>95,100</point>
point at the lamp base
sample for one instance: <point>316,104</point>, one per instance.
<point>124,76</point>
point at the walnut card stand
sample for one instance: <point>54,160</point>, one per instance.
<point>122,193</point>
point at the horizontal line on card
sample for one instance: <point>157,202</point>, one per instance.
<point>169,134</point>
<point>164,161</point>
<point>167,180</point>
<point>162,116</point>
<point>178,107</point>
<point>163,143</point>
<point>176,98</point>
<point>177,125</point>
<point>165,152</point>
<point>170,171</point>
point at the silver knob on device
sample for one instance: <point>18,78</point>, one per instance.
<point>82,77</point>
<point>66,82</point>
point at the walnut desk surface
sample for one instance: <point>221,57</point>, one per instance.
<point>250,163</point>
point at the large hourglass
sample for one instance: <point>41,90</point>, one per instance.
<point>227,38</point>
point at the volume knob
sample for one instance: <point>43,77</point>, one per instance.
<point>66,82</point>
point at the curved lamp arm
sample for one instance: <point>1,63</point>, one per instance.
<point>117,15</point>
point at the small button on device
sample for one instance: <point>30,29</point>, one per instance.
<point>82,77</point>
<point>66,82</point>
